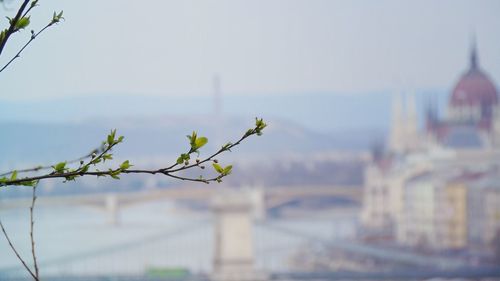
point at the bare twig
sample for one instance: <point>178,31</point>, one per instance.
<point>32,237</point>
<point>16,253</point>
<point>33,37</point>
<point>41,167</point>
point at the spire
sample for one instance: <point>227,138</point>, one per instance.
<point>429,110</point>
<point>473,53</point>
<point>397,126</point>
<point>411,137</point>
<point>411,107</point>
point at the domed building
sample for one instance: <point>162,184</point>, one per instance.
<point>410,189</point>
<point>472,117</point>
<point>474,96</point>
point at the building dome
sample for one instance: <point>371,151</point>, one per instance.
<point>474,89</point>
<point>474,94</point>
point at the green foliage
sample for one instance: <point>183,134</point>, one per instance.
<point>3,35</point>
<point>57,17</point>
<point>183,158</point>
<point>60,168</point>
<point>259,126</point>
<point>196,142</point>
<point>87,165</point>
<point>222,171</point>
<point>34,3</point>
<point>22,23</point>
<point>111,137</point>
<point>13,176</point>
<point>125,165</point>
<point>98,156</point>
<point>217,168</point>
<point>200,142</point>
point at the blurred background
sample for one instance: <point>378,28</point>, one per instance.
<point>381,159</point>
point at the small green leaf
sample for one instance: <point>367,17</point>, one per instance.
<point>192,141</point>
<point>125,165</point>
<point>111,137</point>
<point>57,17</point>
<point>107,157</point>
<point>227,170</point>
<point>226,146</point>
<point>84,169</point>
<point>29,183</point>
<point>259,126</point>
<point>218,168</point>
<point>71,178</point>
<point>180,160</point>
<point>13,176</point>
<point>2,35</point>
<point>192,137</point>
<point>60,167</point>
<point>199,142</point>
<point>22,23</point>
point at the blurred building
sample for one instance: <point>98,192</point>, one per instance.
<point>434,213</point>
<point>438,187</point>
<point>483,214</point>
<point>472,119</point>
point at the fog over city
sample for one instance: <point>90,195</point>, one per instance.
<point>377,156</point>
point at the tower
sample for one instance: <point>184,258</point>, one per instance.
<point>473,54</point>
<point>411,136</point>
<point>397,125</point>
<point>404,130</point>
<point>234,253</point>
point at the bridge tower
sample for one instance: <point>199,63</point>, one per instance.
<point>113,209</point>
<point>234,255</point>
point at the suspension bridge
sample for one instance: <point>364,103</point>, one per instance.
<point>231,231</point>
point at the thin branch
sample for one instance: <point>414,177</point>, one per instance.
<point>29,9</point>
<point>39,168</point>
<point>15,252</point>
<point>12,27</point>
<point>228,148</point>
<point>33,37</point>
<point>32,237</point>
<point>196,179</point>
<point>170,171</point>
<point>107,173</point>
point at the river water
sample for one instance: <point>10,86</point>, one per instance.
<point>81,241</point>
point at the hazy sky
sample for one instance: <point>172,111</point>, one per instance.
<point>164,47</point>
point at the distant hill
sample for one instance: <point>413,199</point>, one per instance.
<point>284,155</point>
<point>163,137</point>
<point>155,126</point>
